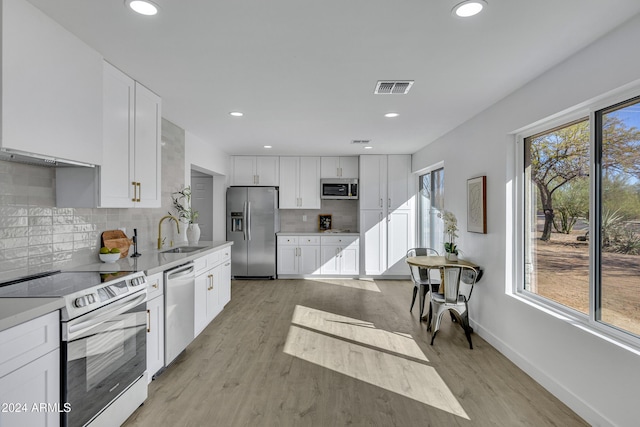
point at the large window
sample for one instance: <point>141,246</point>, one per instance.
<point>582,216</point>
<point>430,204</point>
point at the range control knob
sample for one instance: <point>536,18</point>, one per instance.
<point>85,300</point>
<point>137,281</point>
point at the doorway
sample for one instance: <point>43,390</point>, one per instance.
<point>202,201</point>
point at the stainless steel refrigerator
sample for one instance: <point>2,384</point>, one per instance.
<point>252,224</point>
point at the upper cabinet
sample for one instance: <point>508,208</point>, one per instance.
<point>130,175</point>
<point>385,182</point>
<point>51,88</point>
<point>299,183</point>
<point>339,167</point>
<point>255,170</point>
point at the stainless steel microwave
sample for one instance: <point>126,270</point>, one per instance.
<point>339,188</point>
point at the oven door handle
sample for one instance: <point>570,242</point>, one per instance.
<point>77,327</point>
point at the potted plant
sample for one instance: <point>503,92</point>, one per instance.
<point>182,204</point>
<point>450,228</point>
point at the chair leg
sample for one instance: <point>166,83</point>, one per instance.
<point>430,317</point>
<point>433,337</point>
<point>423,293</point>
<point>467,329</point>
<point>413,300</point>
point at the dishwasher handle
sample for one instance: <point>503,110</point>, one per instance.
<point>179,272</point>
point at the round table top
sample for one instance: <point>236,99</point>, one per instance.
<point>431,261</point>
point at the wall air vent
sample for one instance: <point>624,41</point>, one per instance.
<point>361,141</point>
<point>393,87</point>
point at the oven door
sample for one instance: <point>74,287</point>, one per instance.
<point>104,352</point>
<point>335,190</point>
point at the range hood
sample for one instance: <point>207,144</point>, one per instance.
<point>37,159</point>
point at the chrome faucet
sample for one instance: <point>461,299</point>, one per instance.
<point>171,217</point>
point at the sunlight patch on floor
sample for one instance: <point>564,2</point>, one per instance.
<point>399,375</point>
<point>357,330</point>
<point>363,285</point>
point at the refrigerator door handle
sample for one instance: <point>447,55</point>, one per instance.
<point>244,215</point>
<point>248,220</point>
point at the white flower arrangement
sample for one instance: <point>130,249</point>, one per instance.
<point>450,228</point>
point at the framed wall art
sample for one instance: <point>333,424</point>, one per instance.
<point>324,222</point>
<point>477,205</point>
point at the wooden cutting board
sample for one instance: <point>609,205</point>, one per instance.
<point>116,239</point>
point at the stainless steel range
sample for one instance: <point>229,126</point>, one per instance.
<point>103,349</point>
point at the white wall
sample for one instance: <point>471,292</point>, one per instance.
<point>203,157</point>
<point>597,379</point>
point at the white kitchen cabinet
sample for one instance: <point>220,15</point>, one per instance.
<point>339,167</point>
<point>340,255</point>
<point>385,182</point>
<point>224,280</point>
<point>130,176</point>
<point>373,234</point>
<point>255,170</point>
<point>299,183</point>
<point>51,88</point>
<point>400,230</point>
<point>30,370</point>
<point>212,288</point>
<point>298,255</point>
<point>155,324</point>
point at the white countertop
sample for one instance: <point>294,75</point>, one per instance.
<point>14,311</point>
<point>324,233</point>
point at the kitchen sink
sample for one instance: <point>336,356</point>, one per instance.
<point>183,249</point>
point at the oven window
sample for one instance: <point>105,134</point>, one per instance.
<point>335,189</point>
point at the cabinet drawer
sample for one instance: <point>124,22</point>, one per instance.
<point>200,264</point>
<point>225,254</point>
<point>28,341</point>
<point>288,240</point>
<point>308,240</point>
<point>155,285</point>
<point>338,240</point>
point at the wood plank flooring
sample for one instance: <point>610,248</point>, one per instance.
<point>336,353</point>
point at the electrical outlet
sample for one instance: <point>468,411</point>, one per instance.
<point>304,218</point>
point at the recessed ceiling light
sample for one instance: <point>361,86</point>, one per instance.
<point>468,8</point>
<point>367,147</point>
<point>143,7</point>
<point>268,146</point>
<point>236,114</point>
<point>391,115</point>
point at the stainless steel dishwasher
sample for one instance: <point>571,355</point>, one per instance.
<point>178,309</point>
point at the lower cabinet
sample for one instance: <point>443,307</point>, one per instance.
<point>30,372</point>
<point>305,255</point>
<point>212,289</point>
<point>155,324</point>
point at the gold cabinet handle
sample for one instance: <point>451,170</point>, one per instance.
<point>134,191</point>
<point>139,191</point>
<point>155,285</point>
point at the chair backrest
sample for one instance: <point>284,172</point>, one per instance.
<point>457,281</point>
<point>420,275</point>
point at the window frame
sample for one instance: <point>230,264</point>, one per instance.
<point>589,322</point>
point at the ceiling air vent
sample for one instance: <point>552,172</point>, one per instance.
<point>391,87</point>
<point>361,141</point>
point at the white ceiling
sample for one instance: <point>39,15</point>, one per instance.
<point>303,72</point>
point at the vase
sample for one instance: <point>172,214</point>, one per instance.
<point>450,257</point>
<point>193,233</point>
<point>182,236</point>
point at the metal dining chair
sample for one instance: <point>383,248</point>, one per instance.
<point>421,278</point>
<point>458,285</point>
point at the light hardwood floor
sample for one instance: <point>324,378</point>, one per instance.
<point>337,353</point>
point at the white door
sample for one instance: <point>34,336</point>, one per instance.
<point>267,170</point>
<point>349,167</point>
<point>244,170</point>
<point>288,194</point>
<point>287,260</point>
<point>202,201</point>
<point>399,188</point>
<point>329,167</point>
<point>147,147</point>
<point>309,178</point>
<point>330,260</point>
<point>399,240</point>
<point>309,259</point>
<point>213,293</point>
<point>373,232</point>
<point>202,283</point>
<point>224,295</point>
<point>155,336</point>
<point>373,178</point>
<point>350,260</point>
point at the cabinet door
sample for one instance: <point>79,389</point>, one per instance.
<point>34,383</point>
<point>350,260</point>
<point>117,172</point>
<point>348,167</point>
<point>373,235</point>
<point>224,280</point>
<point>213,293</point>
<point>330,167</point>
<point>147,147</point>
<point>373,178</point>
<point>244,170</point>
<point>399,188</point>
<point>155,336</point>
<point>51,87</point>
<point>309,179</point>
<point>287,260</point>
<point>330,260</point>
<point>309,260</point>
<point>202,284</point>
<point>267,170</point>
<point>400,232</point>
<point>288,195</point>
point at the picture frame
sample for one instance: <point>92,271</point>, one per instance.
<point>477,205</point>
<point>324,222</point>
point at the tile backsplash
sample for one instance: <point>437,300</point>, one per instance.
<point>344,216</point>
<point>37,236</point>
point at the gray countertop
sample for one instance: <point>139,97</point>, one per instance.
<point>14,311</point>
<point>293,233</point>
